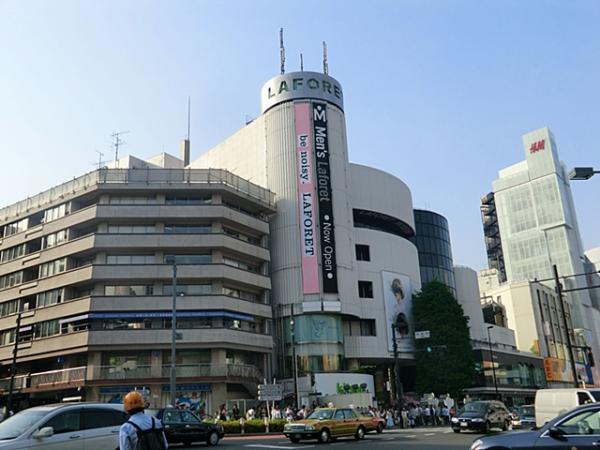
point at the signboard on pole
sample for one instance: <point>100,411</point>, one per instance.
<point>422,334</point>
<point>270,392</point>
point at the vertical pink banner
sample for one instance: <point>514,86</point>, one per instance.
<point>306,199</point>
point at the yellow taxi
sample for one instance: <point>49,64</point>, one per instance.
<point>325,424</point>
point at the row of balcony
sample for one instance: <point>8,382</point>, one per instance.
<point>58,379</point>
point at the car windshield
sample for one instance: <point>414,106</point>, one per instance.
<point>596,395</point>
<point>527,411</point>
<point>475,407</point>
<point>321,414</point>
<point>15,426</point>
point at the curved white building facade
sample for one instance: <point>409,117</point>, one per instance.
<point>341,259</point>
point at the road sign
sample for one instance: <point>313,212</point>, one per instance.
<point>422,334</point>
<point>270,392</point>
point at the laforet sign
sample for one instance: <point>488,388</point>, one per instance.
<point>297,85</point>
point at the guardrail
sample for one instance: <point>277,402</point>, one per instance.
<point>62,376</point>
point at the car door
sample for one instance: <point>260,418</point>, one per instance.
<point>580,431</point>
<point>171,422</point>
<point>350,422</point>
<point>194,427</point>
<point>101,427</point>
<point>337,428</point>
<point>67,432</point>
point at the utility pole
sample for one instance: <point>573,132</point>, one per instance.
<point>566,325</point>
<point>13,367</point>
<point>294,357</point>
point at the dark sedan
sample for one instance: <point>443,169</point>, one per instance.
<point>186,427</point>
<point>577,429</point>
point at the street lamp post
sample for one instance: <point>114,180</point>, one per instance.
<point>173,371</point>
<point>582,173</point>
<point>294,357</point>
<point>399,391</point>
<point>492,361</point>
<point>13,367</point>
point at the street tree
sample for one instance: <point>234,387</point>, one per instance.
<point>445,359</point>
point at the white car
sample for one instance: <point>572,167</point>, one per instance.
<point>65,426</point>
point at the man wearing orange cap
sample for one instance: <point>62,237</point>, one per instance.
<point>140,432</point>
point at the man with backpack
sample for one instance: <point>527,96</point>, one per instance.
<point>140,432</point>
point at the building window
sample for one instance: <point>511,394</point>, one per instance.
<point>241,236</point>
<point>365,289</point>
<point>11,279</point>
<point>189,229</point>
<point>16,227</point>
<point>49,298</point>
<point>54,239</point>
<point>56,213</point>
<point>363,253</point>
<point>13,253</point>
<point>45,329</point>
<point>128,290</point>
<point>242,265</point>
<point>131,200</point>
<point>130,259</point>
<point>185,200</point>
<point>53,267</point>
<point>202,258</point>
<point>188,289</point>
<point>368,327</point>
<point>10,307</point>
<point>131,229</point>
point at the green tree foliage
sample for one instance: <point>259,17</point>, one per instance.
<point>445,360</point>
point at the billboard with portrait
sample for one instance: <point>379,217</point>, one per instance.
<point>397,294</point>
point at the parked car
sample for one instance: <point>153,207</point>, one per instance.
<point>577,429</point>
<point>482,416</point>
<point>325,424</point>
<point>64,426</point>
<point>183,426</point>
<point>551,403</point>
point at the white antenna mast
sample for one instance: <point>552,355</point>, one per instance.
<point>100,162</point>
<point>281,51</point>
<point>118,142</point>
<point>325,64</point>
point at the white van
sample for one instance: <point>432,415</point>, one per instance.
<point>550,403</point>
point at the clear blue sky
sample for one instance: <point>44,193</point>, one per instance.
<point>436,92</point>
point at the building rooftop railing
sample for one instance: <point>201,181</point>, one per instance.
<point>142,177</point>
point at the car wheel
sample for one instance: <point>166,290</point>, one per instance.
<point>456,430</point>
<point>487,428</point>
<point>213,438</point>
<point>380,428</point>
<point>294,440</point>
<point>324,436</point>
<point>360,434</point>
<point>506,425</point>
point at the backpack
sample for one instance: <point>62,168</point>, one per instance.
<point>150,439</point>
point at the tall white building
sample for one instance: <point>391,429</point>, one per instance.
<point>538,226</point>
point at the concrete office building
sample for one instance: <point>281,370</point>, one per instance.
<point>533,311</point>
<point>341,254</point>
<point>538,228</point>
<point>518,374</point>
<point>432,239</point>
<point>88,265</point>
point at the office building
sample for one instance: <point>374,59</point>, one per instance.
<point>87,267</point>
<point>432,239</point>
<point>538,228</point>
<point>341,249</point>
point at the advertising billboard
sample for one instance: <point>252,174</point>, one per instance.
<point>324,198</point>
<point>306,199</point>
<point>397,294</point>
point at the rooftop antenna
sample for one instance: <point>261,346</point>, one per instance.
<point>301,63</point>
<point>118,142</point>
<point>325,64</point>
<point>100,162</point>
<point>184,149</point>
<point>281,51</point>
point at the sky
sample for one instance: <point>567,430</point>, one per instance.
<point>438,93</point>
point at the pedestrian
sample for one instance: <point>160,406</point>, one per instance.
<point>389,419</point>
<point>140,432</point>
<point>235,412</point>
<point>250,414</point>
